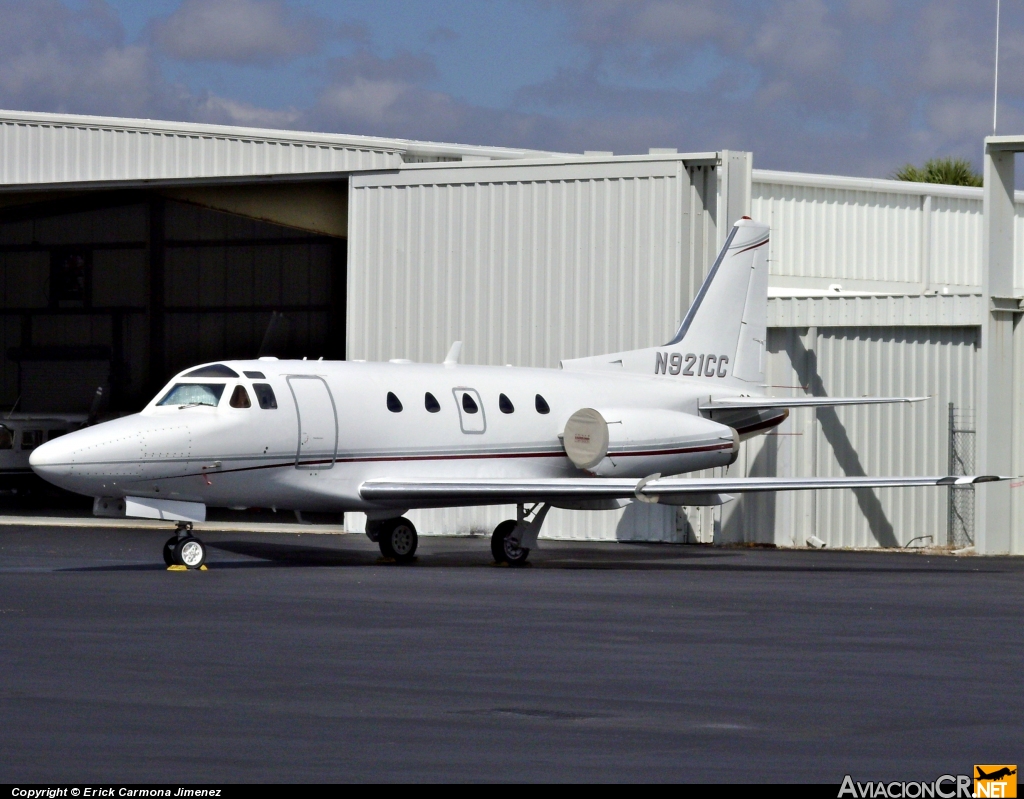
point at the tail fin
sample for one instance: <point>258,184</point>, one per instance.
<point>730,312</point>
<point>725,328</point>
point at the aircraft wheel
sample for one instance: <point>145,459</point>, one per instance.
<point>503,549</point>
<point>190,552</point>
<point>398,539</point>
<point>169,548</point>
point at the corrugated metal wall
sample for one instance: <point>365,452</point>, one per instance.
<point>56,152</point>
<point>528,265</point>
<point>594,258</point>
<point>876,235</point>
<point>872,234</point>
<point>937,362</point>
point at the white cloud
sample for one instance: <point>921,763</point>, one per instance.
<point>237,31</point>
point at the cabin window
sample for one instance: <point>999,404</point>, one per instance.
<point>541,405</point>
<point>213,370</point>
<point>52,434</point>
<point>255,375</point>
<point>30,439</point>
<point>469,404</point>
<point>265,396</point>
<point>6,438</point>
<point>505,404</point>
<point>240,398</point>
<point>186,394</point>
<point>430,403</point>
<point>394,404</point>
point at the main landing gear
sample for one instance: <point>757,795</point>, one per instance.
<point>184,549</point>
<point>513,539</point>
<point>397,538</point>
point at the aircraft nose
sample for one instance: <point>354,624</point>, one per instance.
<point>81,461</point>
<point>49,455</point>
<point>54,458</point>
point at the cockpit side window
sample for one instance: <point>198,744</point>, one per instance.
<point>265,396</point>
<point>186,394</point>
<point>240,398</point>
<point>6,438</point>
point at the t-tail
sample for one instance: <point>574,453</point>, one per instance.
<point>722,336</point>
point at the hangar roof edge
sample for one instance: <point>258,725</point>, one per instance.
<point>202,129</point>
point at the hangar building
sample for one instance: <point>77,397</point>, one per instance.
<point>130,249</point>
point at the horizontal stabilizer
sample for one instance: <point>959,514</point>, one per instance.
<point>754,403</point>
<point>412,493</point>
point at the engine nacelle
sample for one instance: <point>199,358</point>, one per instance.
<point>637,442</point>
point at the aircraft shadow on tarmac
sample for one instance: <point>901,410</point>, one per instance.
<point>263,555</point>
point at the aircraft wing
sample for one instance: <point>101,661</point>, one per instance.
<point>428,492</point>
<point>755,403</point>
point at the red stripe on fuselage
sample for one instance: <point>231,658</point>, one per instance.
<point>481,456</point>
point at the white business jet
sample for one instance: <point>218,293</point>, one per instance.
<point>382,438</point>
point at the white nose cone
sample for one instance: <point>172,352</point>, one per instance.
<point>53,460</point>
<point>86,460</point>
<point>48,455</point>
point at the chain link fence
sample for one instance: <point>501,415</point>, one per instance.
<point>960,516</point>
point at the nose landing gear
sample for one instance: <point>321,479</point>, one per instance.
<point>184,550</point>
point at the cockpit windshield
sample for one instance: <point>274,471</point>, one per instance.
<point>188,394</point>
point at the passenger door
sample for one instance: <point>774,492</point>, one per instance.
<point>317,419</point>
<point>471,410</point>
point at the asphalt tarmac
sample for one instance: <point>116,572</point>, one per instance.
<point>302,658</point>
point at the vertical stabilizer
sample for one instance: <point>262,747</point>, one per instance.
<point>723,333</point>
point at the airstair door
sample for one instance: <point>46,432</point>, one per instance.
<point>317,419</point>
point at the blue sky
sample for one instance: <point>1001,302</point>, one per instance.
<point>843,86</point>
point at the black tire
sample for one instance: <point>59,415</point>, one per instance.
<point>398,539</point>
<point>503,550</point>
<point>169,549</point>
<point>190,552</point>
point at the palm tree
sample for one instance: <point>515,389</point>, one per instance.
<point>948,170</point>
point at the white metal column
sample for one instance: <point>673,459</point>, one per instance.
<point>995,385</point>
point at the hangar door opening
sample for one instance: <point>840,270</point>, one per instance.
<point>122,289</point>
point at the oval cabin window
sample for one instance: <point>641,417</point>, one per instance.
<point>430,403</point>
<point>394,404</point>
<point>542,405</point>
<point>469,404</point>
<point>505,404</point>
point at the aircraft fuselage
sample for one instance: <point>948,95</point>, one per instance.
<point>337,424</point>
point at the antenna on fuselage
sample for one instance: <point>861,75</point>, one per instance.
<point>452,358</point>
